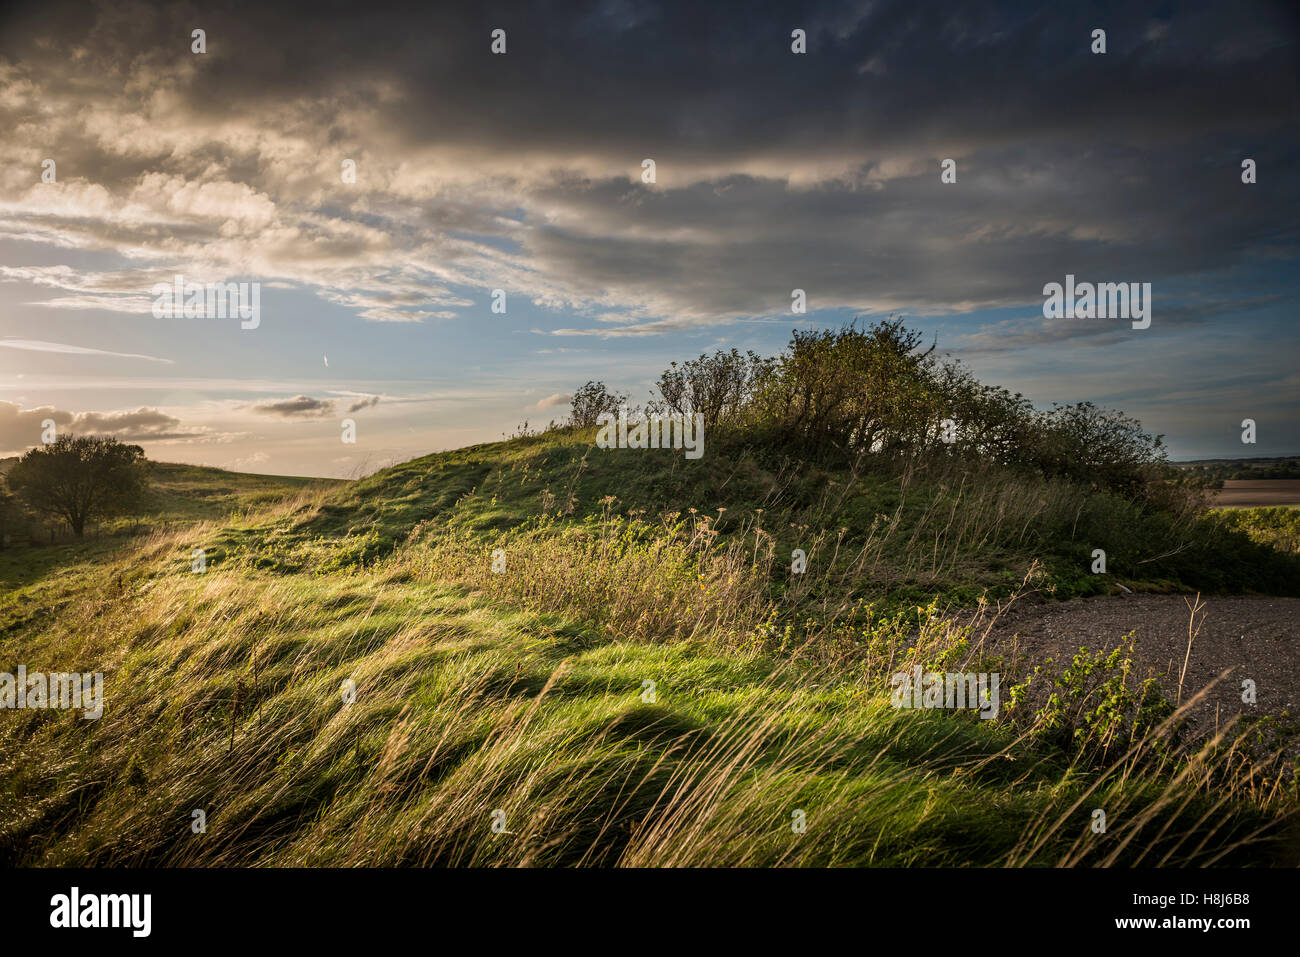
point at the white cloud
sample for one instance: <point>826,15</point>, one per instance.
<point>36,345</point>
<point>551,401</point>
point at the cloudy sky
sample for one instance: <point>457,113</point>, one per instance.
<point>523,172</point>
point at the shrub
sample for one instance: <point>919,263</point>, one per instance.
<point>838,394</point>
<point>590,402</point>
<point>720,387</point>
<point>1095,708</point>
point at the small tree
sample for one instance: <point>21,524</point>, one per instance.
<point>718,386</point>
<point>77,478</point>
<point>1101,446</point>
<point>590,401</point>
<point>852,388</point>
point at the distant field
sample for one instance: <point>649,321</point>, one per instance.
<point>1250,493</point>
<point>178,495</point>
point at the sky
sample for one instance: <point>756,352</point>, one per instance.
<point>378,171</point>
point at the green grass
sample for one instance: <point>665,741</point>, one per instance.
<point>899,532</point>
<point>178,495</point>
<point>224,696</point>
<point>523,691</point>
<point>199,493</point>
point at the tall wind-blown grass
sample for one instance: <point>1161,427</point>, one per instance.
<point>621,694</point>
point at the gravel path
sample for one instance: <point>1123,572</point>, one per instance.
<point>1258,637</point>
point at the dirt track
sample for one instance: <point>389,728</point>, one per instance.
<point>1259,637</point>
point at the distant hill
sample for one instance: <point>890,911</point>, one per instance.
<point>177,495</point>
<point>193,492</point>
<point>1278,467</point>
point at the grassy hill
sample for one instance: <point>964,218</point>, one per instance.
<point>178,494</point>
<point>540,652</point>
<point>898,531</point>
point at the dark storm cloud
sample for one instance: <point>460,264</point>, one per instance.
<point>775,171</point>
<point>1014,334</point>
<point>708,79</point>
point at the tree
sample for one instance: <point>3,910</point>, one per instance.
<point>868,389</point>
<point>1101,446</point>
<point>11,514</point>
<point>718,386</point>
<point>590,402</point>
<point>80,478</point>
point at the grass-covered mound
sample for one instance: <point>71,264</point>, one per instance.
<point>906,531</point>
<point>530,629</point>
